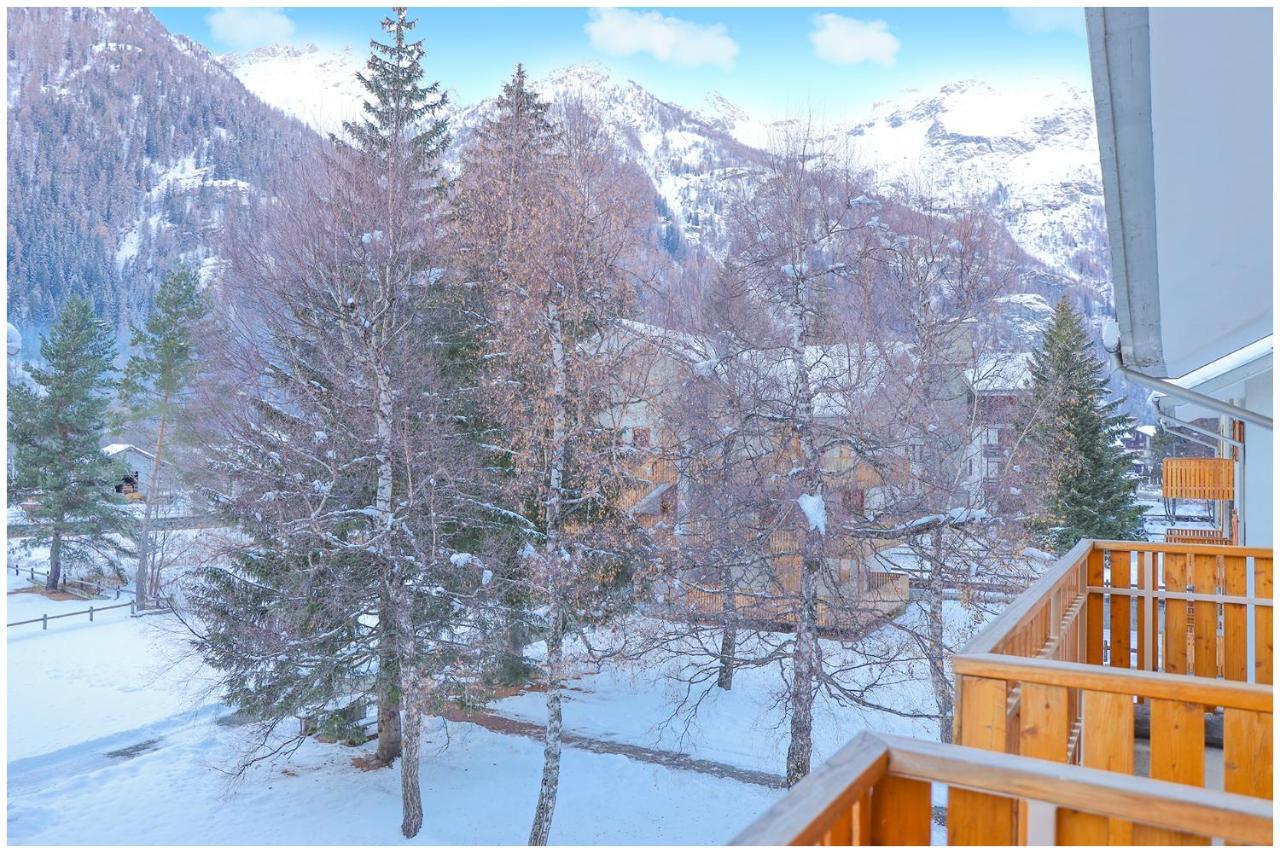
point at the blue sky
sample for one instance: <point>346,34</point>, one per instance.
<point>774,62</point>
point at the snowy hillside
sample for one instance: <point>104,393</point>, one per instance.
<point>128,149</point>
<point>316,86</point>
<point>1031,149</point>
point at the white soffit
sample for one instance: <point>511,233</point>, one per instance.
<point>1184,121</point>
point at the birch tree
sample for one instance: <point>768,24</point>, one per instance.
<point>551,225</point>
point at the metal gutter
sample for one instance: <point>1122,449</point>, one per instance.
<point>1166,387</point>
<point>1120,60</point>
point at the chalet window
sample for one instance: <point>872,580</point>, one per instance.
<point>853,500</point>
<point>640,437</point>
<point>993,435</point>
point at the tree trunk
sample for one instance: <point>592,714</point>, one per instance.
<point>410,787</point>
<point>147,583</point>
<point>551,743</point>
<point>805,657</point>
<point>411,790</point>
<point>389,698</point>
<point>942,691</point>
<point>728,639</point>
<point>545,811</point>
<point>55,561</point>
<point>804,666</point>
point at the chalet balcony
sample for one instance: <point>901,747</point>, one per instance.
<point>1125,659</point>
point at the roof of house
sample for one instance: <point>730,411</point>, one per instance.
<point>999,372</point>
<point>117,449</point>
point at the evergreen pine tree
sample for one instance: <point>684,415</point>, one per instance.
<point>399,109</point>
<point>56,434</point>
<point>355,481</point>
<point>157,376</point>
<point>1078,469</point>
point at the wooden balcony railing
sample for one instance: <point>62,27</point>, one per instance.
<point>1204,479</point>
<point>1121,627</point>
<point>880,789</point>
<point>1047,700</point>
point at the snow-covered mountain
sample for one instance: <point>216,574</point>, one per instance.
<point>692,163</point>
<point>1030,149</point>
<point>317,86</point>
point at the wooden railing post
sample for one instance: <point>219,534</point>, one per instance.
<point>973,817</point>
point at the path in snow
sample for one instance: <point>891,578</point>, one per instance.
<point>666,758</point>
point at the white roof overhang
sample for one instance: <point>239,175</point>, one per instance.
<point>1184,112</point>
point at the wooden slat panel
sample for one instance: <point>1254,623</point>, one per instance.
<point>1148,646</point>
<point>1079,828</point>
<point>1203,570</point>
<point>1120,609</point>
<point>973,817</point>
<point>1108,745</point>
<point>1044,724</point>
<point>1177,741</point>
<point>841,832</point>
<point>860,829</point>
<point>1154,836</point>
<point>1093,609</point>
<point>1246,753</point>
<point>1198,478</point>
<point>1262,588</point>
<point>979,819</point>
<point>1108,731</point>
<point>1175,615</point>
<point>1168,804</point>
<point>901,812</point>
<point>1235,619</point>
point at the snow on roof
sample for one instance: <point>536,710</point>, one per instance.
<point>1145,429</point>
<point>692,348</point>
<point>117,449</point>
<point>1004,371</point>
<point>837,374</point>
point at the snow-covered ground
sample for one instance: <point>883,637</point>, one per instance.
<point>117,736</point>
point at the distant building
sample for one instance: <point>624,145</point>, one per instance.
<point>135,483</point>
<point>996,384</point>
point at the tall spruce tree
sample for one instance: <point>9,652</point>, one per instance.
<point>56,434</point>
<point>355,477</point>
<point>1076,465</point>
<point>153,388</point>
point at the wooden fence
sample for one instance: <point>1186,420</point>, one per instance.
<point>1196,535</point>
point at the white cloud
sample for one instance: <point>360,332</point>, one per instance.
<point>243,27</point>
<point>625,32</point>
<point>848,41</point>
<point>1043,20</point>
